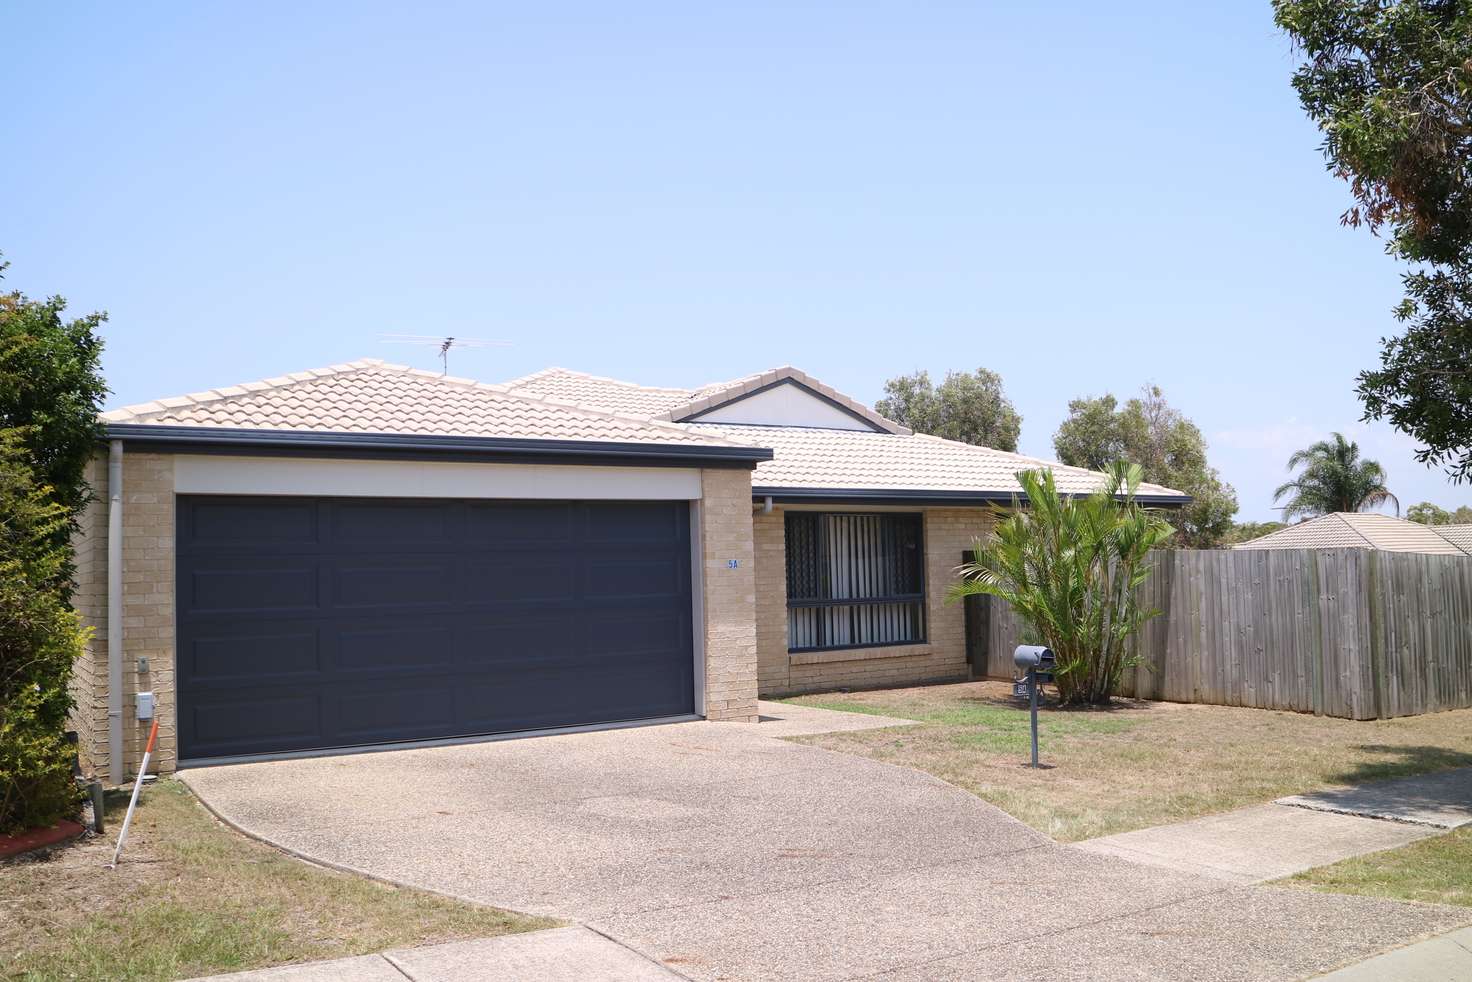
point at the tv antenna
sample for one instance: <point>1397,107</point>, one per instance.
<point>443,343</point>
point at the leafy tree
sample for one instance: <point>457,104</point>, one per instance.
<point>1169,449</point>
<point>1428,514</point>
<point>1072,568</point>
<point>50,391</point>
<point>51,388</point>
<point>1247,531</point>
<point>1334,478</point>
<point>1389,82</point>
<point>970,408</point>
<point>40,638</point>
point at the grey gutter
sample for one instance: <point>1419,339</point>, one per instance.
<point>209,439</point>
<point>913,496</point>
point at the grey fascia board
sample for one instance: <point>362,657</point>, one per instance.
<point>225,439</point>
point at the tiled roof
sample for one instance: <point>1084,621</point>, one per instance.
<point>818,458</point>
<point>369,396</point>
<point>711,396</point>
<point>1458,535</point>
<point>595,390</point>
<point>1357,530</point>
<point>673,404</point>
<point>806,458</point>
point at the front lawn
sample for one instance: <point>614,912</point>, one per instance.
<point>1437,870</point>
<point>193,897</point>
<point>1136,764</point>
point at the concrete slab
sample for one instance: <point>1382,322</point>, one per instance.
<point>570,954</point>
<point>1442,800</point>
<point>1242,934</point>
<point>364,968</point>
<point>1252,845</point>
<point>722,853</point>
<point>1447,958</point>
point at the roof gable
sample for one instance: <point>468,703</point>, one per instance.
<point>784,403</point>
<point>782,396</point>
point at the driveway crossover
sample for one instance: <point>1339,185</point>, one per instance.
<point>722,853</point>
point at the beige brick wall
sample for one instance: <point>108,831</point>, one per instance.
<point>148,611</point>
<point>729,595</point>
<point>943,655</point>
<point>148,593</point>
<point>89,597</point>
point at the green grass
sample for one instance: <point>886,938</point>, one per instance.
<point>1135,764</point>
<point>1437,870</point>
<point>192,897</point>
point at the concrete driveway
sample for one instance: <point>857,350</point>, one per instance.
<point>723,853</point>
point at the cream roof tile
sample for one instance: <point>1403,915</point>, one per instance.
<point>808,458</point>
<point>1357,530</point>
<point>595,390</point>
<point>813,458</point>
<point>1458,535</point>
<point>370,396</point>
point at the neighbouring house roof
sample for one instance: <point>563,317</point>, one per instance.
<point>1458,535</point>
<point>371,397</point>
<point>1357,530</point>
<point>816,462</point>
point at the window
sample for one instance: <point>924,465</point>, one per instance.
<point>854,581</point>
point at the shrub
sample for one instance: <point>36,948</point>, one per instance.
<point>1072,568</point>
<point>40,638</point>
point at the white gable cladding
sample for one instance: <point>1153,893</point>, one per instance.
<point>784,404</point>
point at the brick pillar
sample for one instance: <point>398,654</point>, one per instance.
<point>729,595</point>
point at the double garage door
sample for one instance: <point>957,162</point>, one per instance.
<point>312,623</point>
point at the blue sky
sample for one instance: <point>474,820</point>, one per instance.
<point>1083,197</point>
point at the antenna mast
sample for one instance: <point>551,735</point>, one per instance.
<point>444,344</point>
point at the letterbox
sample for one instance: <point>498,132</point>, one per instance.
<point>1030,656</point>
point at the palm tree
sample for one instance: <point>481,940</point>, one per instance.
<point>1334,478</point>
<point>1072,568</point>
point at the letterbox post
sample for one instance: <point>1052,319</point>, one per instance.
<point>1032,697</point>
<point>1029,658</point>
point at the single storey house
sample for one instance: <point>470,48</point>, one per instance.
<point>369,555</point>
<point>1366,530</point>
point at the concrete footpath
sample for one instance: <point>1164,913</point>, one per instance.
<point>1447,958</point>
<point>1290,835</point>
<point>567,954</point>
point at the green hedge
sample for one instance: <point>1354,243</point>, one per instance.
<point>40,638</point>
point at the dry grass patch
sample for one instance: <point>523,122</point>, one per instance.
<point>193,897</point>
<point>1137,763</point>
<point>1436,870</point>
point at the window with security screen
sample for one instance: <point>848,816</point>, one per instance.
<point>854,581</point>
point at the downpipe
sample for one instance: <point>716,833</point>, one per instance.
<point>115,611</point>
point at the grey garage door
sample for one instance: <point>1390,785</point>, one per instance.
<point>308,623</point>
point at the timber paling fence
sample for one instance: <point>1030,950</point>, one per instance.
<point>1355,633</point>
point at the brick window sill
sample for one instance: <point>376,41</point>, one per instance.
<point>859,654</point>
